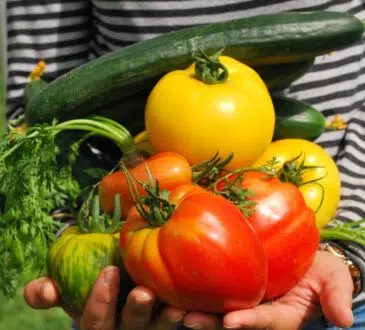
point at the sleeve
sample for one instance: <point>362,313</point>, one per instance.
<point>57,32</point>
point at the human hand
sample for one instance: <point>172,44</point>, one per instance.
<point>101,308</point>
<point>327,287</point>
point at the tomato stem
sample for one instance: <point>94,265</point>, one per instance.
<point>80,221</point>
<point>96,224</point>
<point>90,220</point>
<point>155,208</point>
<point>209,69</point>
<point>207,172</point>
<point>230,187</point>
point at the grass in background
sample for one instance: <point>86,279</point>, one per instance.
<point>15,313</point>
<point>2,96</point>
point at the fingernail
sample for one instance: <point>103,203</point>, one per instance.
<point>195,326</point>
<point>176,320</point>
<point>232,326</point>
<point>233,322</point>
<point>143,298</point>
<point>110,274</point>
<point>46,291</point>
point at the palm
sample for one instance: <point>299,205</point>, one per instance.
<point>327,284</point>
<point>301,302</point>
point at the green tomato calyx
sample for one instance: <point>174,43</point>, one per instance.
<point>205,173</point>
<point>209,69</point>
<point>155,208</point>
<point>292,171</point>
<point>91,220</point>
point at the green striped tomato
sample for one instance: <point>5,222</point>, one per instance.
<point>75,260</point>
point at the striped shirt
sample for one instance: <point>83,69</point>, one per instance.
<point>69,33</point>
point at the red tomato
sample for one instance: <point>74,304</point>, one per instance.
<point>170,169</point>
<point>286,228</point>
<point>206,257</point>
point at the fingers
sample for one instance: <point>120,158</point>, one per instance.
<point>275,316</point>
<point>329,281</point>
<point>100,309</point>
<point>260,317</point>
<point>41,293</point>
<point>137,312</point>
<point>200,321</point>
<point>169,319</point>
<point>336,296</point>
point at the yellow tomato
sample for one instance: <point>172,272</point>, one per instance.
<point>321,185</point>
<point>143,142</point>
<point>196,119</point>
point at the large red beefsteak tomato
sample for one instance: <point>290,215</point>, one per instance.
<point>205,257</point>
<point>285,225</point>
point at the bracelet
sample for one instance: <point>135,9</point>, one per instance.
<point>354,270</point>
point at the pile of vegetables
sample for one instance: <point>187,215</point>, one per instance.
<point>221,200</point>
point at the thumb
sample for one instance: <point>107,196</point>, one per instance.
<point>336,295</point>
<point>100,309</point>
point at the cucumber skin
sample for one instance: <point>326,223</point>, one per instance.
<point>33,88</point>
<point>266,39</point>
<point>282,75</point>
<point>296,119</point>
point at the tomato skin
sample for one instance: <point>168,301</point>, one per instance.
<point>170,169</point>
<point>75,260</point>
<point>206,257</point>
<point>329,175</point>
<point>286,228</point>
<point>196,120</point>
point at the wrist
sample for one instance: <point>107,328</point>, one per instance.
<point>353,268</point>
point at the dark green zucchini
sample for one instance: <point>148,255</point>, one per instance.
<point>296,119</point>
<point>282,75</point>
<point>259,40</point>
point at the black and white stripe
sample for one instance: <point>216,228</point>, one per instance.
<point>58,32</point>
<point>68,33</point>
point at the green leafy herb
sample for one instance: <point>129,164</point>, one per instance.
<point>32,184</point>
<point>350,231</point>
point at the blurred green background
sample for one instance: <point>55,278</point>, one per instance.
<point>15,314</point>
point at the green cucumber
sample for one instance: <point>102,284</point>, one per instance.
<point>33,88</point>
<point>282,75</point>
<point>258,40</point>
<point>296,119</point>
